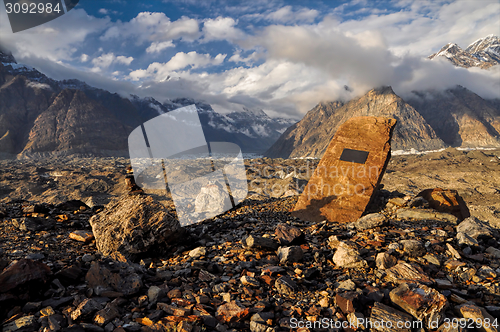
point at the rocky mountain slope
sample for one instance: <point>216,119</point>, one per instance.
<point>460,117</point>
<point>311,136</point>
<point>41,116</point>
<point>483,53</point>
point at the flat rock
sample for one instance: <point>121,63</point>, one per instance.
<point>385,318</point>
<point>478,314</point>
<point>349,172</point>
<point>407,273</point>
<point>422,302</point>
<point>476,229</point>
<point>446,200</point>
<point>133,225</point>
<point>424,214</point>
<point>259,242</point>
<point>370,221</point>
<point>23,271</point>
<point>26,323</point>
<point>82,236</point>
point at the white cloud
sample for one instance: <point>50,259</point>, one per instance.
<point>221,28</point>
<point>153,26</point>
<point>157,47</point>
<point>84,57</point>
<point>247,60</point>
<point>103,11</point>
<point>107,59</point>
<point>56,40</point>
<point>287,15</point>
<point>160,71</point>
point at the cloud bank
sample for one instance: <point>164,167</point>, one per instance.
<point>281,58</point>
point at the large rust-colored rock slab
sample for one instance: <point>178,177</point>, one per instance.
<point>349,172</point>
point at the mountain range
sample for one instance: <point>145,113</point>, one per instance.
<point>426,121</point>
<point>483,53</point>
<point>41,117</point>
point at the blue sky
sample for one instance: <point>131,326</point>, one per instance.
<point>280,56</point>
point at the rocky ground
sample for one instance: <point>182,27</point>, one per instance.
<point>70,264</point>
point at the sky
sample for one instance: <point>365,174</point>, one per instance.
<point>283,57</point>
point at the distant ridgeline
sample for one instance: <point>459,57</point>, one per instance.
<point>41,117</point>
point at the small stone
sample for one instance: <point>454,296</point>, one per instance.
<point>289,255</point>
<point>154,293</point>
<point>404,272</point>
<point>422,302</point>
<point>106,315</point>
<point>478,314</point>
<point>446,200</point>
<point>226,297</point>
<point>370,221</point>
<point>347,301</point>
<point>476,229</point>
<point>285,285</point>
<point>87,258</point>
<point>32,307</point>
<point>259,327</point>
<point>356,320</point>
<point>259,242</point>
<point>431,258</point>
<point>87,307</point>
<point>383,316</point>
<point>82,236</point>
<point>466,240</point>
<point>288,235</point>
<point>184,326</point>
<point>249,281</point>
<point>120,277</point>
<point>35,256</point>
<point>348,257</point>
<point>231,312</point>
<point>422,214</point>
<point>494,252</point>
<point>487,272</point>
<point>26,323</point>
<point>47,311</point>
<point>198,252</point>
<point>346,285</point>
<point>324,302</point>
<point>454,253</point>
<point>385,261</point>
<point>413,248</point>
<point>22,271</point>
